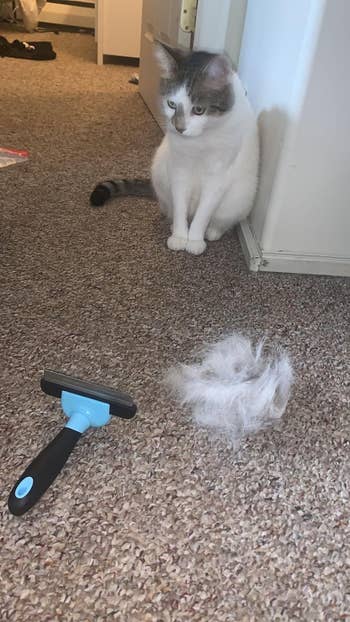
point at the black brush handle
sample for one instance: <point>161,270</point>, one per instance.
<point>40,474</point>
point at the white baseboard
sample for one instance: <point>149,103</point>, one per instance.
<point>250,246</point>
<point>68,15</point>
<point>298,263</point>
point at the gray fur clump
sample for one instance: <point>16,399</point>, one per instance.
<point>236,388</point>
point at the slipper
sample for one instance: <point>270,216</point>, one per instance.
<point>33,50</point>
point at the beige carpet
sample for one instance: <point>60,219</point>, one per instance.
<point>152,520</point>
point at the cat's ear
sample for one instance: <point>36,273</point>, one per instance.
<point>218,72</point>
<point>168,59</point>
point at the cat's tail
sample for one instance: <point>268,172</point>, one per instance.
<point>113,188</point>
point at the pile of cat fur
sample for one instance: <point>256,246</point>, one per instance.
<point>236,388</point>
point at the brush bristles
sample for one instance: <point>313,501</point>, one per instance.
<point>235,388</point>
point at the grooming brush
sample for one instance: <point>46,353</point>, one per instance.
<point>86,405</point>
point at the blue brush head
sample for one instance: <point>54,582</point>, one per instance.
<point>120,404</point>
<point>83,412</point>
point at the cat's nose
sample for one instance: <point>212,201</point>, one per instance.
<point>178,124</point>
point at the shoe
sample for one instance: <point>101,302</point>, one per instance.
<point>33,50</point>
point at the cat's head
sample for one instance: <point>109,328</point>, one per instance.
<point>196,89</point>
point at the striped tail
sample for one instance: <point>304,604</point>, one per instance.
<point>113,188</point>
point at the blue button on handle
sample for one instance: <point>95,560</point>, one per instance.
<point>24,487</point>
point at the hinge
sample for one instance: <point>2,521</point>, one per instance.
<point>188,15</point>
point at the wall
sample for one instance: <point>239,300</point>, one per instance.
<point>316,187</point>
<point>293,64</point>
<point>271,51</point>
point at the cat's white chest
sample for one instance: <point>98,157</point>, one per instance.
<point>193,159</point>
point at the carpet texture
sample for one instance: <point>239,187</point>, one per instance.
<point>153,519</point>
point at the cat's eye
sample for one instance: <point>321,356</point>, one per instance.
<point>198,110</point>
<point>171,104</point>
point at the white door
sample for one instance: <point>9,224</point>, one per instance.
<point>199,24</point>
<point>160,19</point>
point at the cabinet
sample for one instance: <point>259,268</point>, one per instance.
<point>118,28</point>
<point>73,13</point>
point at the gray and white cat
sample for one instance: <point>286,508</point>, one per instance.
<point>205,171</point>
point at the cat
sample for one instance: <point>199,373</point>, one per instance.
<point>205,171</point>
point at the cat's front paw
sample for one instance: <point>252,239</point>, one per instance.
<point>176,244</point>
<point>196,247</point>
